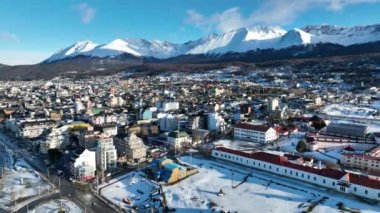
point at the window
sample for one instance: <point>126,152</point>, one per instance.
<point>259,164</point>
<point>291,172</point>
<point>286,171</point>
<point>270,167</point>
<point>265,166</point>
<point>366,191</point>
<point>308,176</point>
<point>302,175</point>
<point>296,173</point>
<point>277,169</point>
<point>217,154</point>
<point>324,181</point>
<point>333,183</point>
<point>355,189</point>
<point>315,179</point>
<point>378,194</point>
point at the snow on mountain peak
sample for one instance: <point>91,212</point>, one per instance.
<point>239,40</point>
<point>264,32</point>
<point>73,50</point>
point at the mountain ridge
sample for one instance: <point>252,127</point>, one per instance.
<point>239,40</point>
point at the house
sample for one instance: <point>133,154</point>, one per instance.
<point>83,167</point>
<point>254,133</point>
<point>338,180</point>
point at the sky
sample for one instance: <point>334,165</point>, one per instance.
<point>32,30</point>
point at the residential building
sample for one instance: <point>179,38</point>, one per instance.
<point>273,104</point>
<point>135,149</point>
<point>169,123</point>
<point>106,155</point>
<point>363,162</point>
<point>254,133</point>
<point>84,166</point>
<point>215,122</point>
<point>178,139</point>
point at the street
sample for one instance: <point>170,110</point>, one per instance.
<point>67,190</point>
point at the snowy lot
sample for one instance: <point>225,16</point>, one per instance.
<point>20,183</point>
<point>132,186</point>
<point>351,111</point>
<point>238,144</point>
<point>289,145</point>
<point>53,206</point>
<point>263,192</point>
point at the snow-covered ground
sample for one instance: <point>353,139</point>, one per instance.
<point>19,184</point>
<point>132,186</point>
<point>53,206</point>
<point>349,110</point>
<point>289,145</point>
<point>263,192</point>
<point>237,144</point>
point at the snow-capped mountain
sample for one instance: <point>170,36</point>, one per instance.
<point>76,49</point>
<point>240,40</point>
<point>343,35</point>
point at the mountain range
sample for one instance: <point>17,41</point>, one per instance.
<point>246,46</point>
<point>236,41</point>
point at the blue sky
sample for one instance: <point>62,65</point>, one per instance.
<point>30,30</point>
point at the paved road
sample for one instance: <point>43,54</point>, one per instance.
<point>83,199</point>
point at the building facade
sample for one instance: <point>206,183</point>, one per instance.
<point>364,162</point>
<point>106,156</point>
<point>338,180</point>
<point>84,166</point>
<point>135,149</point>
<point>254,133</point>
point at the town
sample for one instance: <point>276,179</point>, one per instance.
<point>135,142</point>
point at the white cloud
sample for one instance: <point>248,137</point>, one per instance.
<point>6,36</point>
<point>270,12</point>
<point>14,57</point>
<point>86,12</point>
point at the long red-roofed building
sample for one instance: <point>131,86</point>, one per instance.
<point>339,180</point>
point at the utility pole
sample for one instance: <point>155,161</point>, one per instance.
<point>232,179</point>
<point>59,186</point>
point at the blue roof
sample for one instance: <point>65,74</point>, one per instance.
<point>172,166</point>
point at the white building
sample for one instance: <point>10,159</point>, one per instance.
<point>79,107</point>
<point>168,123</point>
<point>54,140</point>
<point>167,106</point>
<point>33,129</point>
<point>109,128</point>
<point>215,122</point>
<point>177,139</point>
<point>106,155</point>
<point>84,165</point>
<point>254,133</point>
<point>273,104</point>
<point>338,180</point>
